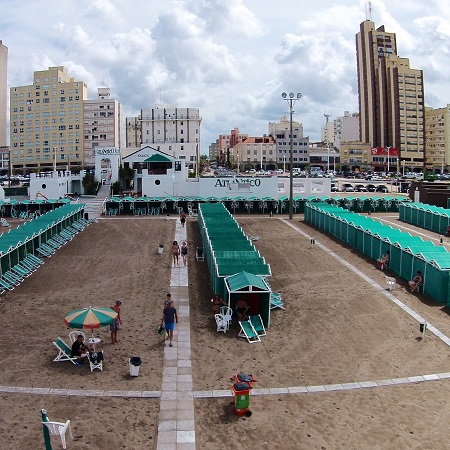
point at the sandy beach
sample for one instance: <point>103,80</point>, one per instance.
<point>337,328</point>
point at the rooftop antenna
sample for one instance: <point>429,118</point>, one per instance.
<point>369,11</point>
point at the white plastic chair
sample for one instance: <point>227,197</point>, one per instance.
<point>97,363</point>
<point>73,336</point>
<point>390,283</point>
<point>222,324</point>
<point>59,429</point>
<point>227,314</point>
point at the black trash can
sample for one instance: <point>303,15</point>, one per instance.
<point>86,216</point>
<point>135,363</point>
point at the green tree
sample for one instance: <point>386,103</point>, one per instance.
<point>90,185</point>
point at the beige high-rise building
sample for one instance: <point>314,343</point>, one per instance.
<point>46,122</point>
<point>133,132</point>
<point>3,93</point>
<point>437,142</point>
<point>391,97</point>
<point>102,124</point>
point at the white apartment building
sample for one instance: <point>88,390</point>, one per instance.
<point>280,131</point>
<point>3,93</point>
<point>173,130</point>
<point>102,124</point>
<point>133,132</point>
<point>346,129</point>
<point>437,141</point>
<point>46,122</point>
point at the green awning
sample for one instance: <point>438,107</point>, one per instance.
<point>157,158</point>
<point>244,279</point>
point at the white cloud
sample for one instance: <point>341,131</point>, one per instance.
<point>232,59</point>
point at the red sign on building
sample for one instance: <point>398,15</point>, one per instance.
<point>385,151</point>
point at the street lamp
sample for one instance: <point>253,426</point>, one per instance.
<point>291,99</point>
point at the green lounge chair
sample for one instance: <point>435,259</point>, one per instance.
<point>275,301</point>
<point>34,259</point>
<point>258,324</point>
<point>248,332</point>
<point>65,352</point>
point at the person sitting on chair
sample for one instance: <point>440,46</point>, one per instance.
<point>447,231</point>
<point>416,282</point>
<point>79,350</point>
<point>241,310</point>
<point>383,262</point>
<point>217,303</point>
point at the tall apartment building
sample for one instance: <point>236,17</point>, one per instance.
<point>391,96</point>
<point>173,130</point>
<point>102,124</point>
<point>3,93</point>
<point>281,132</point>
<point>46,122</point>
<point>4,149</point>
<point>437,142</point>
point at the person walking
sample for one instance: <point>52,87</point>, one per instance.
<point>184,252</point>
<point>175,251</point>
<point>115,326</point>
<point>169,319</point>
<point>182,218</point>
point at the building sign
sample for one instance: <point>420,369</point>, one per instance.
<point>384,151</point>
<point>4,149</point>
<point>107,151</point>
<point>238,183</point>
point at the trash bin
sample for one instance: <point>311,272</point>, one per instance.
<point>241,398</point>
<point>160,248</point>
<point>135,363</point>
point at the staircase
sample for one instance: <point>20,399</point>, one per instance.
<point>94,204</point>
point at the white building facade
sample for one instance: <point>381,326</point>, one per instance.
<point>174,131</point>
<point>102,124</point>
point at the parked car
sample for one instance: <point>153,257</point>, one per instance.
<point>370,187</point>
<point>347,187</point>
<point>334,188</point>
<point>360,188</point>
<point>382,188</point>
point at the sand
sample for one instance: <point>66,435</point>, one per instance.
<point>336,328</point>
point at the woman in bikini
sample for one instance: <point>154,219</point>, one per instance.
<point>175,250</point>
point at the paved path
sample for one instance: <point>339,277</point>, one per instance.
<point>176,428</point>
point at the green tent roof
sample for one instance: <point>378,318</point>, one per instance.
<point>157,157</point>
<point>243,280</point>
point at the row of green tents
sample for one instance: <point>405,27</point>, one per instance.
<point>430,217</point>
<point>246,205</point>
<point>408,253</point>
<point>236,267</point>
<point>18,242</point>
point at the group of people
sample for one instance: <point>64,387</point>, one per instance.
<point>241,307</point>
<point>414,284</point>
<point>176,251</point>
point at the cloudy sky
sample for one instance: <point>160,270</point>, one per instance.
<point>229,58</point>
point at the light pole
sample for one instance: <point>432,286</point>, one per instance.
<point>291,101</point>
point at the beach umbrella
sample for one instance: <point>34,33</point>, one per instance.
<point>90,318</point>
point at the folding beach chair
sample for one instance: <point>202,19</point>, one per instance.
<point>21,271</point>
<point>275,301</point>
<point>4,222</point>
<point>248,332</point>
<point>65,352</point>
<point>6,285</point>
<point>258,324</point>
<point>199,254</point>
<point>11,277</point>
<point>34,259</point>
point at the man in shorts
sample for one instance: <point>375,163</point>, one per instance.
<point>115,326</point>
<point>169,319</point>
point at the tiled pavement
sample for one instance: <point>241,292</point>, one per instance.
<point>176,428</point>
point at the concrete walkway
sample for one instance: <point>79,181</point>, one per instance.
<point>176,428</point>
